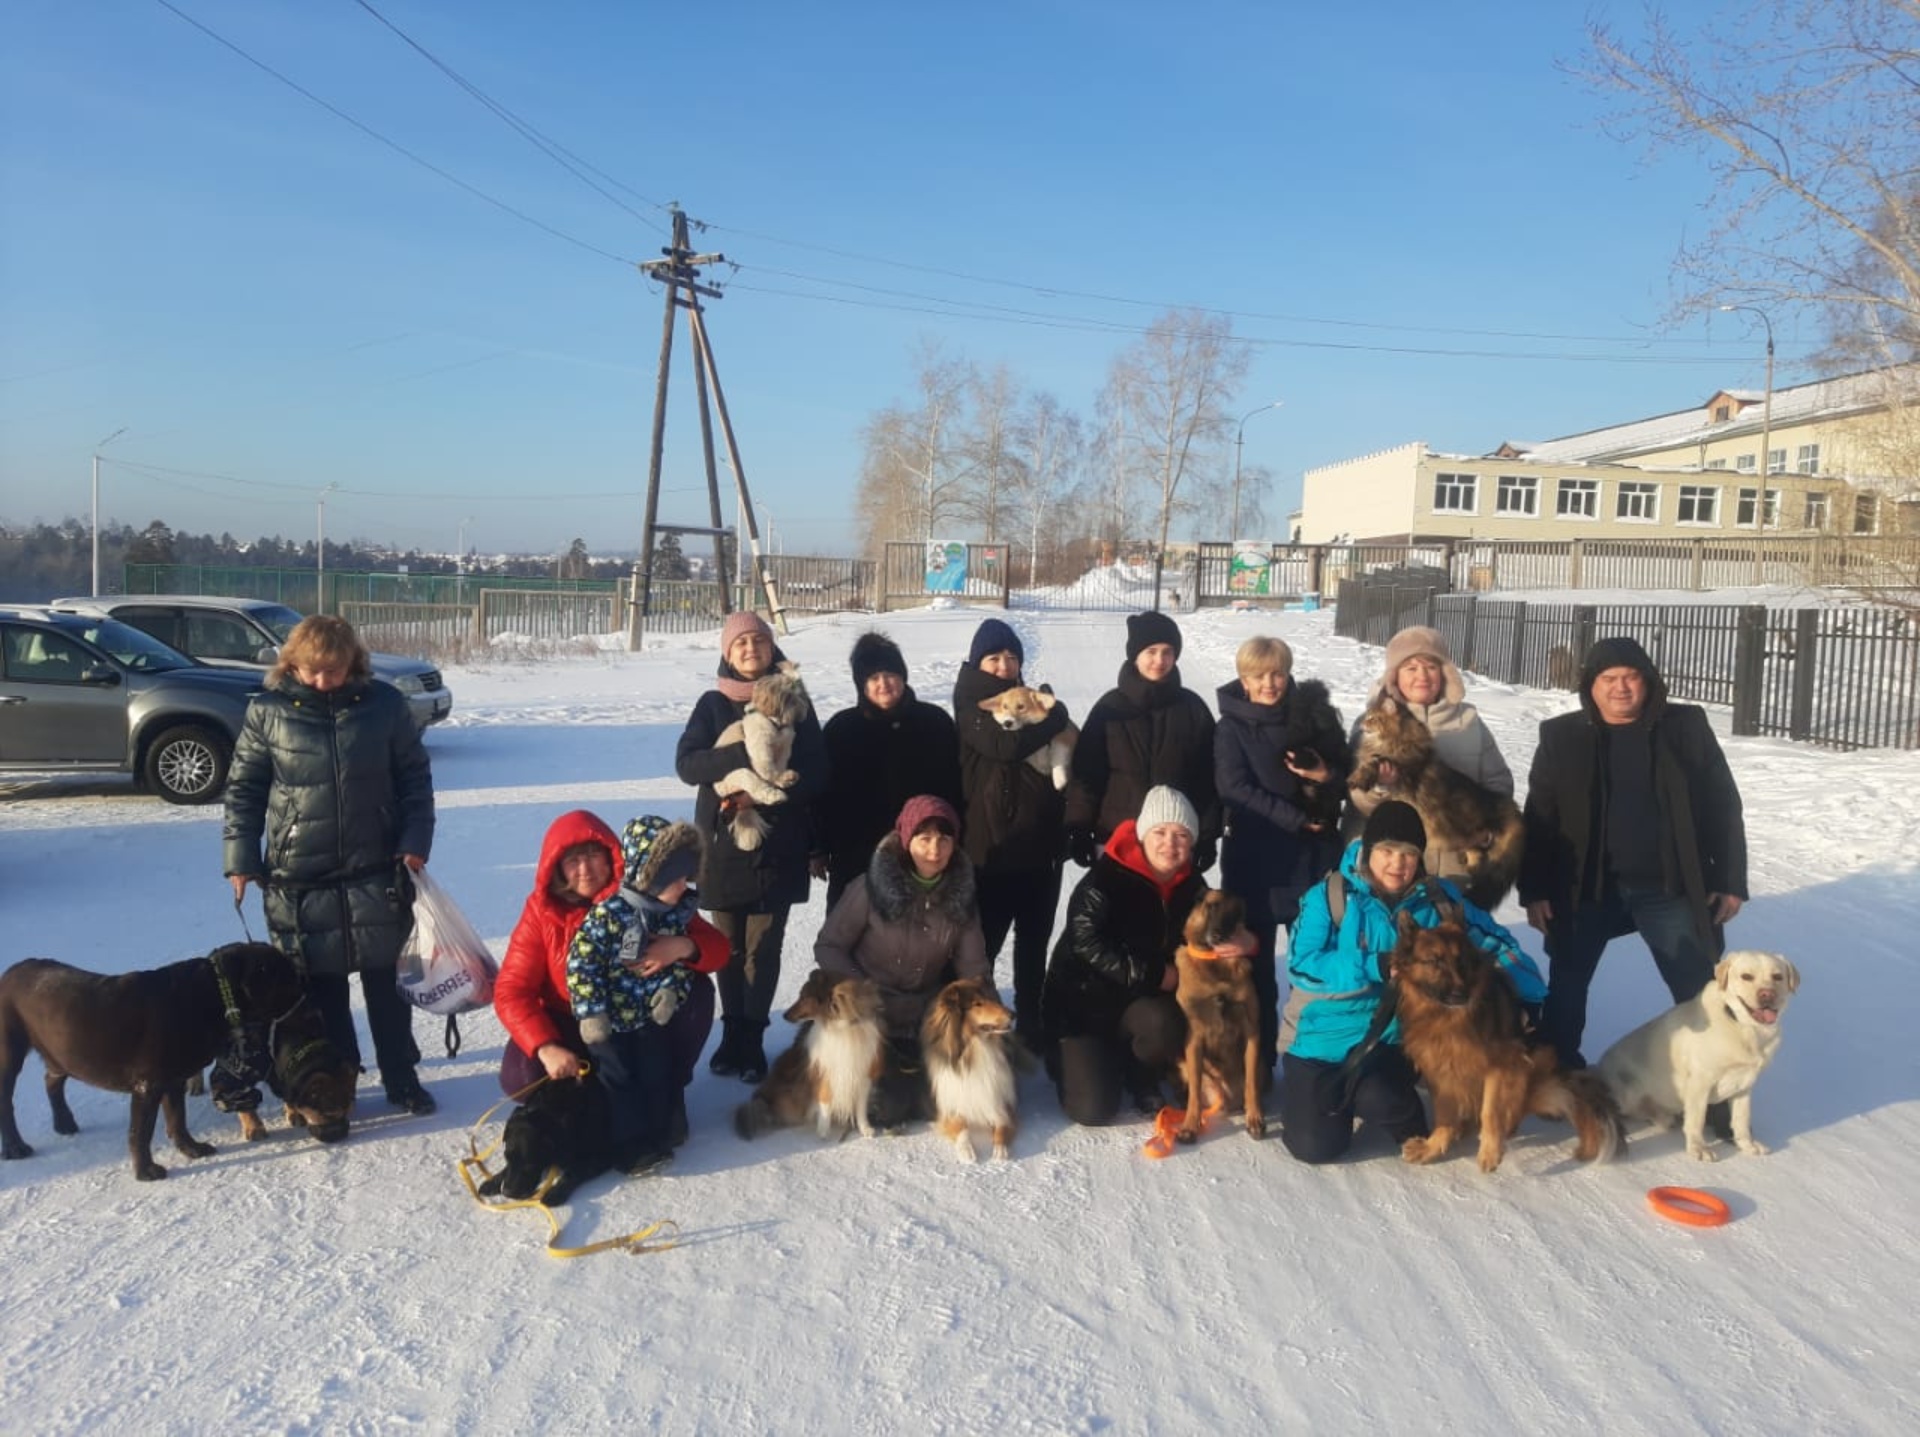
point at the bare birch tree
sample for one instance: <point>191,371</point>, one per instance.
<point>916,468</point>
<point>1050,454</point>
<point>992,448</point>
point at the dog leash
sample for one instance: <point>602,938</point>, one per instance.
<point>241,913</point>
<point>637,1244</point>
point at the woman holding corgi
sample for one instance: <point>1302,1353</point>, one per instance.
<point>1014,814</point>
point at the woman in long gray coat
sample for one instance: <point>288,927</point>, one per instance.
<point>911,923</point>
<point>329,807</point>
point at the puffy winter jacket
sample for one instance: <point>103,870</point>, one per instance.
<point>1138,735</point>
<point>618,929</point>
<point>326,791</point>
<point>877,759</point>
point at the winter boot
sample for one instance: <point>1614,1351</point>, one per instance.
<point>725,1062</point>
<point>751,1053</point>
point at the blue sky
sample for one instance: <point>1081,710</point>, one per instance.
<point>268,300</point>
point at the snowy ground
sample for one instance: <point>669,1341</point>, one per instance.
<point>880,1287</point>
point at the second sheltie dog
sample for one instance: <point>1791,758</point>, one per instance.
<point>964,1041</point>
<point>1223,1017</point>
<point>829,1072</point>
<point>1460,1027</point>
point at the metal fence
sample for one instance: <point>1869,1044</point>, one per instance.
<point>1841,678</point>
<point>913,573</point>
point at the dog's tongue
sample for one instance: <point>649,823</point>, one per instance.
<point>1765,1015</point>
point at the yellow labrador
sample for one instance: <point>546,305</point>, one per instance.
<point>1709,1049</point>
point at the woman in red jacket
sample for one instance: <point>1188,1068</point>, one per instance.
<point>580,865</point>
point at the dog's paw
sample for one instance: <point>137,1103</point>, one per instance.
<point>1001,1152</point>
<point>1187,1135</point>
<point>963,1145</point>
<point>1417,1150</point>
<point>10,1151</point>
<point>252,1130</point>
<point>1256,1126</point>
<point>64,1125</point>
<point>865,1126</point>
<point>149,1171</point>
<point>194,1148</point>
<point>1754,1148</point>
<point>491,1187</point>
<point>1490,1159</point>
<point>787,778</point>
<point>1699,1150</point>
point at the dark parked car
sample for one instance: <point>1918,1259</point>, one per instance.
<point>249,632</point>
<point>83,693</point>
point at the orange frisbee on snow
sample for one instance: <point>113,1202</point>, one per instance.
<point>1689,1206</point>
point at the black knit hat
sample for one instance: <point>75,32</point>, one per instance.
<point>1395,822</point>
<point>1146,630</point>
<point>875,653</point>
<point>995,636</point>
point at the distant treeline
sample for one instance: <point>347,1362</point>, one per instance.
<point>46,561</point>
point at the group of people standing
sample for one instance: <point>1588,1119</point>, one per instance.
<point>939,840</point>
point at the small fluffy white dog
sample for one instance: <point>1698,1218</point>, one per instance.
<point>1709,1049</point>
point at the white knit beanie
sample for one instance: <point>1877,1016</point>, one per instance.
<point>1166,805</point>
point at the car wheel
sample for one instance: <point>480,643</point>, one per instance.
<point>188,764</point>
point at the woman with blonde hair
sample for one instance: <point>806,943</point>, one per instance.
<point>329,809</point>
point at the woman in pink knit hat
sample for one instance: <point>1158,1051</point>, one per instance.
<point>747,894</point>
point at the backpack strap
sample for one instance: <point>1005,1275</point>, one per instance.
<point>1336,896</point>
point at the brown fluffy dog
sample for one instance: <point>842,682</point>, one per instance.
<point>1460,1026</point>
<point>1020,707</point>
<point>142,1033</point>
<point>1482,827</point>
<point>828,1073</point>
<point>775,710</point>
<point>1223,1017</point>
<point>964,1041</point>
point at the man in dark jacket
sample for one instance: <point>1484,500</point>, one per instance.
<point>1633,826</point>
<point>883,751</point>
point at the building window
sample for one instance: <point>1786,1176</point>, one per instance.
<point>1776,461</point>
<point>1744,511</point>
<point>1640,502</point>
<point>1866,513</point>
<point>1807,461</point>
<point>1454,493</point>
<point>1519,494</point>
<point>1816,511</point>
<point>1577,499</point>
<point>1722,413</point>
<point>1716,464</point>
<point>1699,504</point>
<point>1744,463</point>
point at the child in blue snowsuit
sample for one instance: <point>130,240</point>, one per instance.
<point>1340,945</point>
<point>623,998</point>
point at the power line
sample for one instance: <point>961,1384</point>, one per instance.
<point>393,145</point>
<point>157,471</point>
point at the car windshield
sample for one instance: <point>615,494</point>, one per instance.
<point>138,651</point>
<point>280,619</point>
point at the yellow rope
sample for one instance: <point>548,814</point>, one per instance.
<point>636,1243</point>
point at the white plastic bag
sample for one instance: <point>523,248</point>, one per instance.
<point>444,967</point>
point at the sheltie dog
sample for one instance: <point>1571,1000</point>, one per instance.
<point>1020,707</point>
<point>964,1040</point>
<point>1460,1027</point>
<point>1216,993</point>
<point>829,1072</point>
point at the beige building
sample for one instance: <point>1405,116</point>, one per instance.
<point>1843,458</point>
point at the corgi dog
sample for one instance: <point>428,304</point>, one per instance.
<point>829,1072</point>
<point>964,1041</point>
<point>1020,707</point>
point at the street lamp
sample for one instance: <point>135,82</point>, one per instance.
<point>1766,413</point>
<point>96,502</point>
<point>320,552</point>
<point>1239,443</point>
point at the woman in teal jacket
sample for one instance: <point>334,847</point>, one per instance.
<point>1347,928</point>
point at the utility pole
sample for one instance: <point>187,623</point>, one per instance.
<point>96,502</point>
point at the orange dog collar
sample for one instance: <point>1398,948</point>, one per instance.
<point>1689,1206</point>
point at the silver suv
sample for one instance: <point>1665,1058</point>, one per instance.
<point>85,693</point>
<point>249,632</point>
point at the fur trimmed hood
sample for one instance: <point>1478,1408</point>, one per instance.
<point>646,846</point>
<point>893,890</point>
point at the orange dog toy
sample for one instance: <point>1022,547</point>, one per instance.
<point>1689,1206</point>
<point>1166,1123</point>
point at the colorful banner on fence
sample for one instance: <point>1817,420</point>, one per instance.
<point>946,567</point>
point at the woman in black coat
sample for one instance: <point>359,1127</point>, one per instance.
<point>329,806</point>
<point>888,748</point>
<point>1014,817</point>
<point>748,893</point>
<point>1146,730</point>
<point>1280,760</point>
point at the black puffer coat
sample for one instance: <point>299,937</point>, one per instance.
<point>1139,735</point>
<point>1268,857</point>
<point>775,874</point>
<point>1118,941</point>
<point>878,759</point>
<point>1013,815</point>
<point>338,785</point>
<point>909,939</point>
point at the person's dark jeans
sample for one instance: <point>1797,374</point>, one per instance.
<point>752,973</point>
<point>637,1071</point>
<point>1665,922</point>
<point>1095,1072</point>
<point>687,1033</point>
<point>1317,1118</point>
<point>389,1022</point>
<point>1025,903</point>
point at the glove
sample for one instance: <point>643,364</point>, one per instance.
<point>1203,856</point>
<point>596,1030</point>
<point>1080,847</point>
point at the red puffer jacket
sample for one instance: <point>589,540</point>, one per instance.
<point>530,995</point>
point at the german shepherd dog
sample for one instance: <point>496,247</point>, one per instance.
<point>142,1033</point>
<point>964,1039</point>
<point>1223,1017</point>
<point>312,1077</point>
<point>1020,707</point>
<point>1460,1026</point>
<point>1481,827</point>
<point>775,710</point>
<point>829,1072</point>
